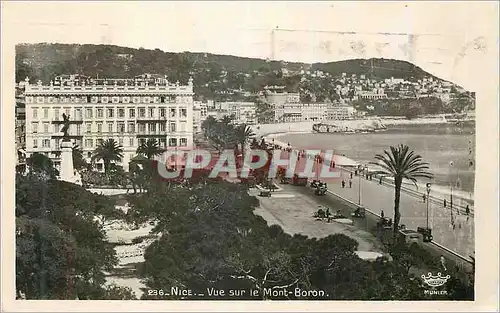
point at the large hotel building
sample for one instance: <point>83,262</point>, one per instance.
<point>127,110</point>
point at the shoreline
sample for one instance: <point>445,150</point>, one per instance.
<point>463,197</point>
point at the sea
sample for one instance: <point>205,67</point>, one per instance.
<point>438,144</point>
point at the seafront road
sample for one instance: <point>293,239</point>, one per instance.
<point>376,198</point>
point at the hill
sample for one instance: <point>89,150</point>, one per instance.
<point>215,76</point>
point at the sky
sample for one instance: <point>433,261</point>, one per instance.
<point>450,37</point>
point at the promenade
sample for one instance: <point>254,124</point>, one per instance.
<point>375,197</point>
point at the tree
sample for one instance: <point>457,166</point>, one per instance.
<point>40,164</point>
<point>79,162</point>
<point>149,149</point>
<point>243,133</point>
<point>108,151</point>
<point>61,252</point>
<point>401,163</point>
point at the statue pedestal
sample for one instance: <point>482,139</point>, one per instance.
<point>67,171</point>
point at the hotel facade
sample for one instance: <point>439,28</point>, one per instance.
<point>128,110</point>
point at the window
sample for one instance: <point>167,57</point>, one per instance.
<point>121,113</point>
<point>111,113</point>
<point>135,100</point>
<point>131,113</point>
<point>35,143</point>
<point>100,113</point>
<point>172,127</point>
<point>39,99</point>
<point>46,143</point>
<point>121,128</point>
<point>183,142</point>
<point>99,127</point>
<point>115,99</point>
<point>131,141</point>
<point>58,144</point>
<point>152,127</point>
<point>104,99</point>
<point>79,114</point>
<point>156,99</point>
<point>162,112</point>
<point>35,113</point>
<point>45,112</point>
<point>172,142</point>
<point>89,154</point>
<point>45,127</point>
<point>131,127</point>
<point>142,128</point>
<point>110,127</point>
<point>163,142</point>
<point>142,141</point>
<point>142,112</point>
<point>183,126</point>
<point>162,127</point>
<point>120,141</point>
<point>34,128</point>
<point>88,129</point>
<point>56,114</point>
<point>173,113</point>
<point>88,113</point>
<point>67,110</point>
<point>89,143</point>
<point>78,129</point>
<point>151,112</point>
<point>126,99</point>
<point>100,141</point>
<point>147,99</point>
<point>94,100</point>
<point>184,113</point>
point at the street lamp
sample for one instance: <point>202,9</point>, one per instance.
<point>451,192</point>
<point>428,186</point>
<point>360,168</point>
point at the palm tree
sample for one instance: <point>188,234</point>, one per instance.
<point>401,163</point>
<point>243,133</point>
<point>108,151</point>
<point>149,149</point>
<point>79,162</point>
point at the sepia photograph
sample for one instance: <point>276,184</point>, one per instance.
<point>269,151</point>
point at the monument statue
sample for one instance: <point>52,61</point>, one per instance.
<point>65,128</point>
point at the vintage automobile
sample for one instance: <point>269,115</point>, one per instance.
<point>265,193</point>
<point>314,183</point>
<point>299,180</point>
<point>320,189</point>
<point>426,233</point>
<point>359,212</point>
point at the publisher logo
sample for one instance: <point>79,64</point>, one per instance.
<point>435,281</point>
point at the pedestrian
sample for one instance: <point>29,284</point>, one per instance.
<point>443,263</point>
<point>423,197</point>
<point>382,214</point>
<point>356,172</point>
<point>350,183</point>
<point>380,181</point>
<point>444,203</point>
<point>351,175</point>
<point>343,183</point>
<point>467,210</point>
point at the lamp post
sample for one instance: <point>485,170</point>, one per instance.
<point>360,168</point>
<point>451,192</point>
<point>428,186</point>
